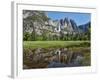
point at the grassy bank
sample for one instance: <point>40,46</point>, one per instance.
<point>55,44</point>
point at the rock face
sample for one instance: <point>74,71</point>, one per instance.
<point>84,27</point>
<point>66,25</point>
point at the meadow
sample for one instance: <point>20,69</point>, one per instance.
<point>55,44</point>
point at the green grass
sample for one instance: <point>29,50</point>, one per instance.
<point>55,44</point>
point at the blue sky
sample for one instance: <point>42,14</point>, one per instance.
<point>80,18</point>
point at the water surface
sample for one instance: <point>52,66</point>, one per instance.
<point>56,57</point>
